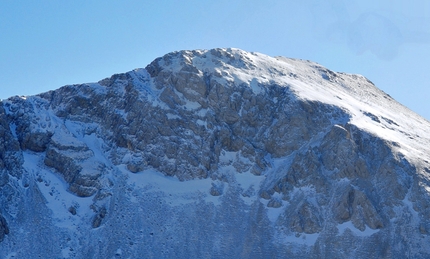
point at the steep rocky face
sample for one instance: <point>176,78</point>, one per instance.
<point>224,152</point>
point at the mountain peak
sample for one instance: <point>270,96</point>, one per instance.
<point>305,79</point>
<point>251,155</point>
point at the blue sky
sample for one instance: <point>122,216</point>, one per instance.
<point>47,44</point>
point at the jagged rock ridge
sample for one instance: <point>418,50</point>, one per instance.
<point>223,152</point>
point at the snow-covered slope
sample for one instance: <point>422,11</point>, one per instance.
<point>215,154</point>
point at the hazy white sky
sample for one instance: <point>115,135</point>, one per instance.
<point>47,44</point>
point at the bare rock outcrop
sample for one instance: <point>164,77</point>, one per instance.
<point>354,205</point>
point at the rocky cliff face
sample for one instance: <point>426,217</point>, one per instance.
<point>215,154</point>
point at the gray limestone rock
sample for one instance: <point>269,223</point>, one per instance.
<point>98,218</point>
<point>354,205</point>
<point>340,152</point>
<point>217,189</point>
<point>306,219</point>
<point>66,165</point>
<point>274,203</point>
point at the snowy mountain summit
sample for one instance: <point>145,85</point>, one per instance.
<point>215,154</point>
